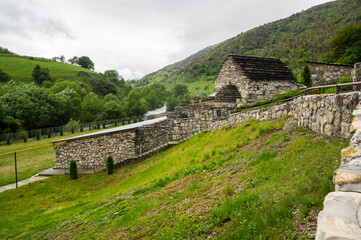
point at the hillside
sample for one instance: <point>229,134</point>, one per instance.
<point>253,181</point>
<point>305,35</point>
<point>20,68</point>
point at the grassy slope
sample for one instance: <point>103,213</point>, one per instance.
<point>20,68</point>
<point>253,181</point>
<point>304,35</point>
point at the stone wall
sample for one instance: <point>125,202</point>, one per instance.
<point>325,73</point>
<point>90,153</point>
<point>326,114</point>
<point>201,111</point>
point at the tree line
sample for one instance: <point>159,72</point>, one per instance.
<point>44,103</point>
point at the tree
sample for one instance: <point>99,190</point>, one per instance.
<point>73,60</point>
<point>85,62</point>
<point>62,58</point>
<point>40,74</point>
<point>4,77</point>
<point>101,86</point>
<point>113,110</point>
<point>306,75</point>
<point>73,170</point>
<point>135,104</point>
<point>345,47</point>
<point>110,164</point>
<point>112,75</point>
<point>179,90</point>
<point>91,108</point>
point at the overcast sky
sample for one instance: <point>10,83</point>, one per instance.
<point>135,37</point>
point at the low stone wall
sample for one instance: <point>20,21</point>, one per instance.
<point>181,129</point>
<point>324,73</point>
<point>90,153</point>
<point>326,114</point>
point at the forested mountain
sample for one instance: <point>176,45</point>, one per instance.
<point>302,36</point>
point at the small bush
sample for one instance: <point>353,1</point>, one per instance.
<point>37,135</point>
<point>81,128</point>
<point>90,126</point>
<point>128,120</point>
<point>98,125</point>
<point>134,120</point>
<point>110,164</point>
<point>25,137</point>
<point>140,119</point>
<point>73,170</point>
<point>8,140</point>
<point>72,129</point>
<point>61,131</point>
<point>116,123</point>
<point>306,75</point>
<point>49,133</point>
<point>228,190</point>
<point>103,124</point>
<point>123,122</point>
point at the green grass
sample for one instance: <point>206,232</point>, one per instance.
<point>20,68</point>
<point>245,182</point>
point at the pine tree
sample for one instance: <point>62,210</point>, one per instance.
<point>49,133</point>
<point>103,124</point>
<point>8,140</point>
<point>25,137</point>
<point>72,129</point>
<point>61,131</point>
<point>306,75</point>
<point>90,126</point>
<point>37,135</point>
<point>110,164</point>
<point>98,125</point>
<point>81,128</point>
<point>73,170</point>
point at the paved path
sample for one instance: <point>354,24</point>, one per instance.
<point>22,183</point>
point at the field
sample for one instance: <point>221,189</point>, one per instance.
<point>20,68</point>
<point>252,181</point>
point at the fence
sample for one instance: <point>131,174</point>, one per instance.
<point>66,129</point>
<point>19,164</point>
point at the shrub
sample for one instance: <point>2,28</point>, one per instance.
<point>110,164</point>
<point>306,75</point>
<point>25,137</point>
<point>116,123</point>
<point>61,131</point>
<point>134,120</point>
<point>128,120</point>
<point>140,119</point>
<point>103,124</point>
<point>37,135</point>
<point>72,129</point>
<point>49,133</point>
<point>90,126</point>
<point>98,125</point>
<point>8,140</point>
<point>73,170</point>
<point>123,122</point>
<point>81,128</point>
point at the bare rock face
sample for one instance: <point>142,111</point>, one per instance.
<point>340,217</point>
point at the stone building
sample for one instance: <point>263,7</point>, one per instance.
<point>248,79</point>
<point>326,73</point>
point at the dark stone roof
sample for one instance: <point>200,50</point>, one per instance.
<point>261,68</point>
<point>228,93</point>
<point>333,64</point>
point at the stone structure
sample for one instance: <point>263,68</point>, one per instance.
<point>247,79</point>
<point>326,114</point>
<point>326,73</point>
<point>205,110</point>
